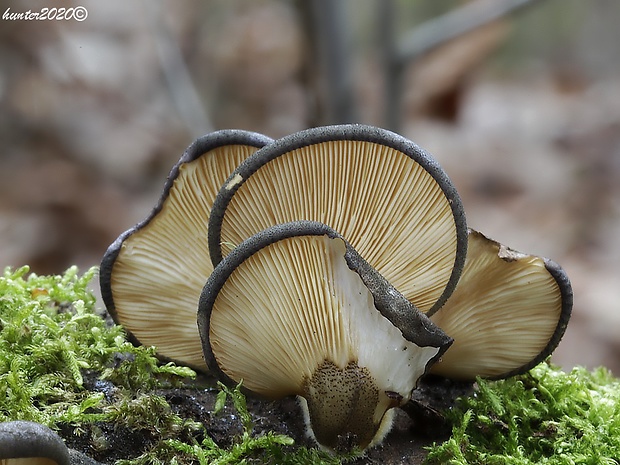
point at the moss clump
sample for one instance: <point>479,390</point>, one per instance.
<point>51,338</point>
<point>269,448</point>
<point>546,416</point>
<point>63,365</point>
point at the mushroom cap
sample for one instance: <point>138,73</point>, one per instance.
<point>21,440</point>
<point>384,194</point>
<point>507,314</point>
<point>151,276</point>
<point>295,310</point>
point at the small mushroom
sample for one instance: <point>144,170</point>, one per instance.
<point>295,310</point>
<point>389,198</point>
<point>27,442</point>
<point>152,275</point>
<point>507,314</point>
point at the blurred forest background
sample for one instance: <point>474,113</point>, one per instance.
<point>523,112</point>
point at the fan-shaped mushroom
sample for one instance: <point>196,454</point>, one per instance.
<point>388,198</point>
<point>295,310</point>
<point>24,442</point>
<point>507,314</point>
<point>152,275</point>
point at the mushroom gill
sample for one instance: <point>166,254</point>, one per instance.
<point>292,311</point>
<point>388,198</point>
<point>507,314</point>
<point>152,275</point>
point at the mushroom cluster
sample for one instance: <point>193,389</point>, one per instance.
<point>334,264</point>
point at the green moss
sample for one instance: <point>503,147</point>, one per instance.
<point>269,448</point>
<point>54,348</point>
<point>50,337</point>
<point>544,417</point>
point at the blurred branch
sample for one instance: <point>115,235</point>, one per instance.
<point>455,23</point>
<point>428,36</point>
<point>330,38</point>
<point>392,70</point>
<point>184,94</point>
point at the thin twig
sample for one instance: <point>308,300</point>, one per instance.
<point>333,48</point>
<point>431,35</point>
<point>178,78</point>
<point>436,32</point>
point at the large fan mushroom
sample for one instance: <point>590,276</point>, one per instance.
<point>152,275</point>
<point>389,198</point>
<point>295,310</point>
